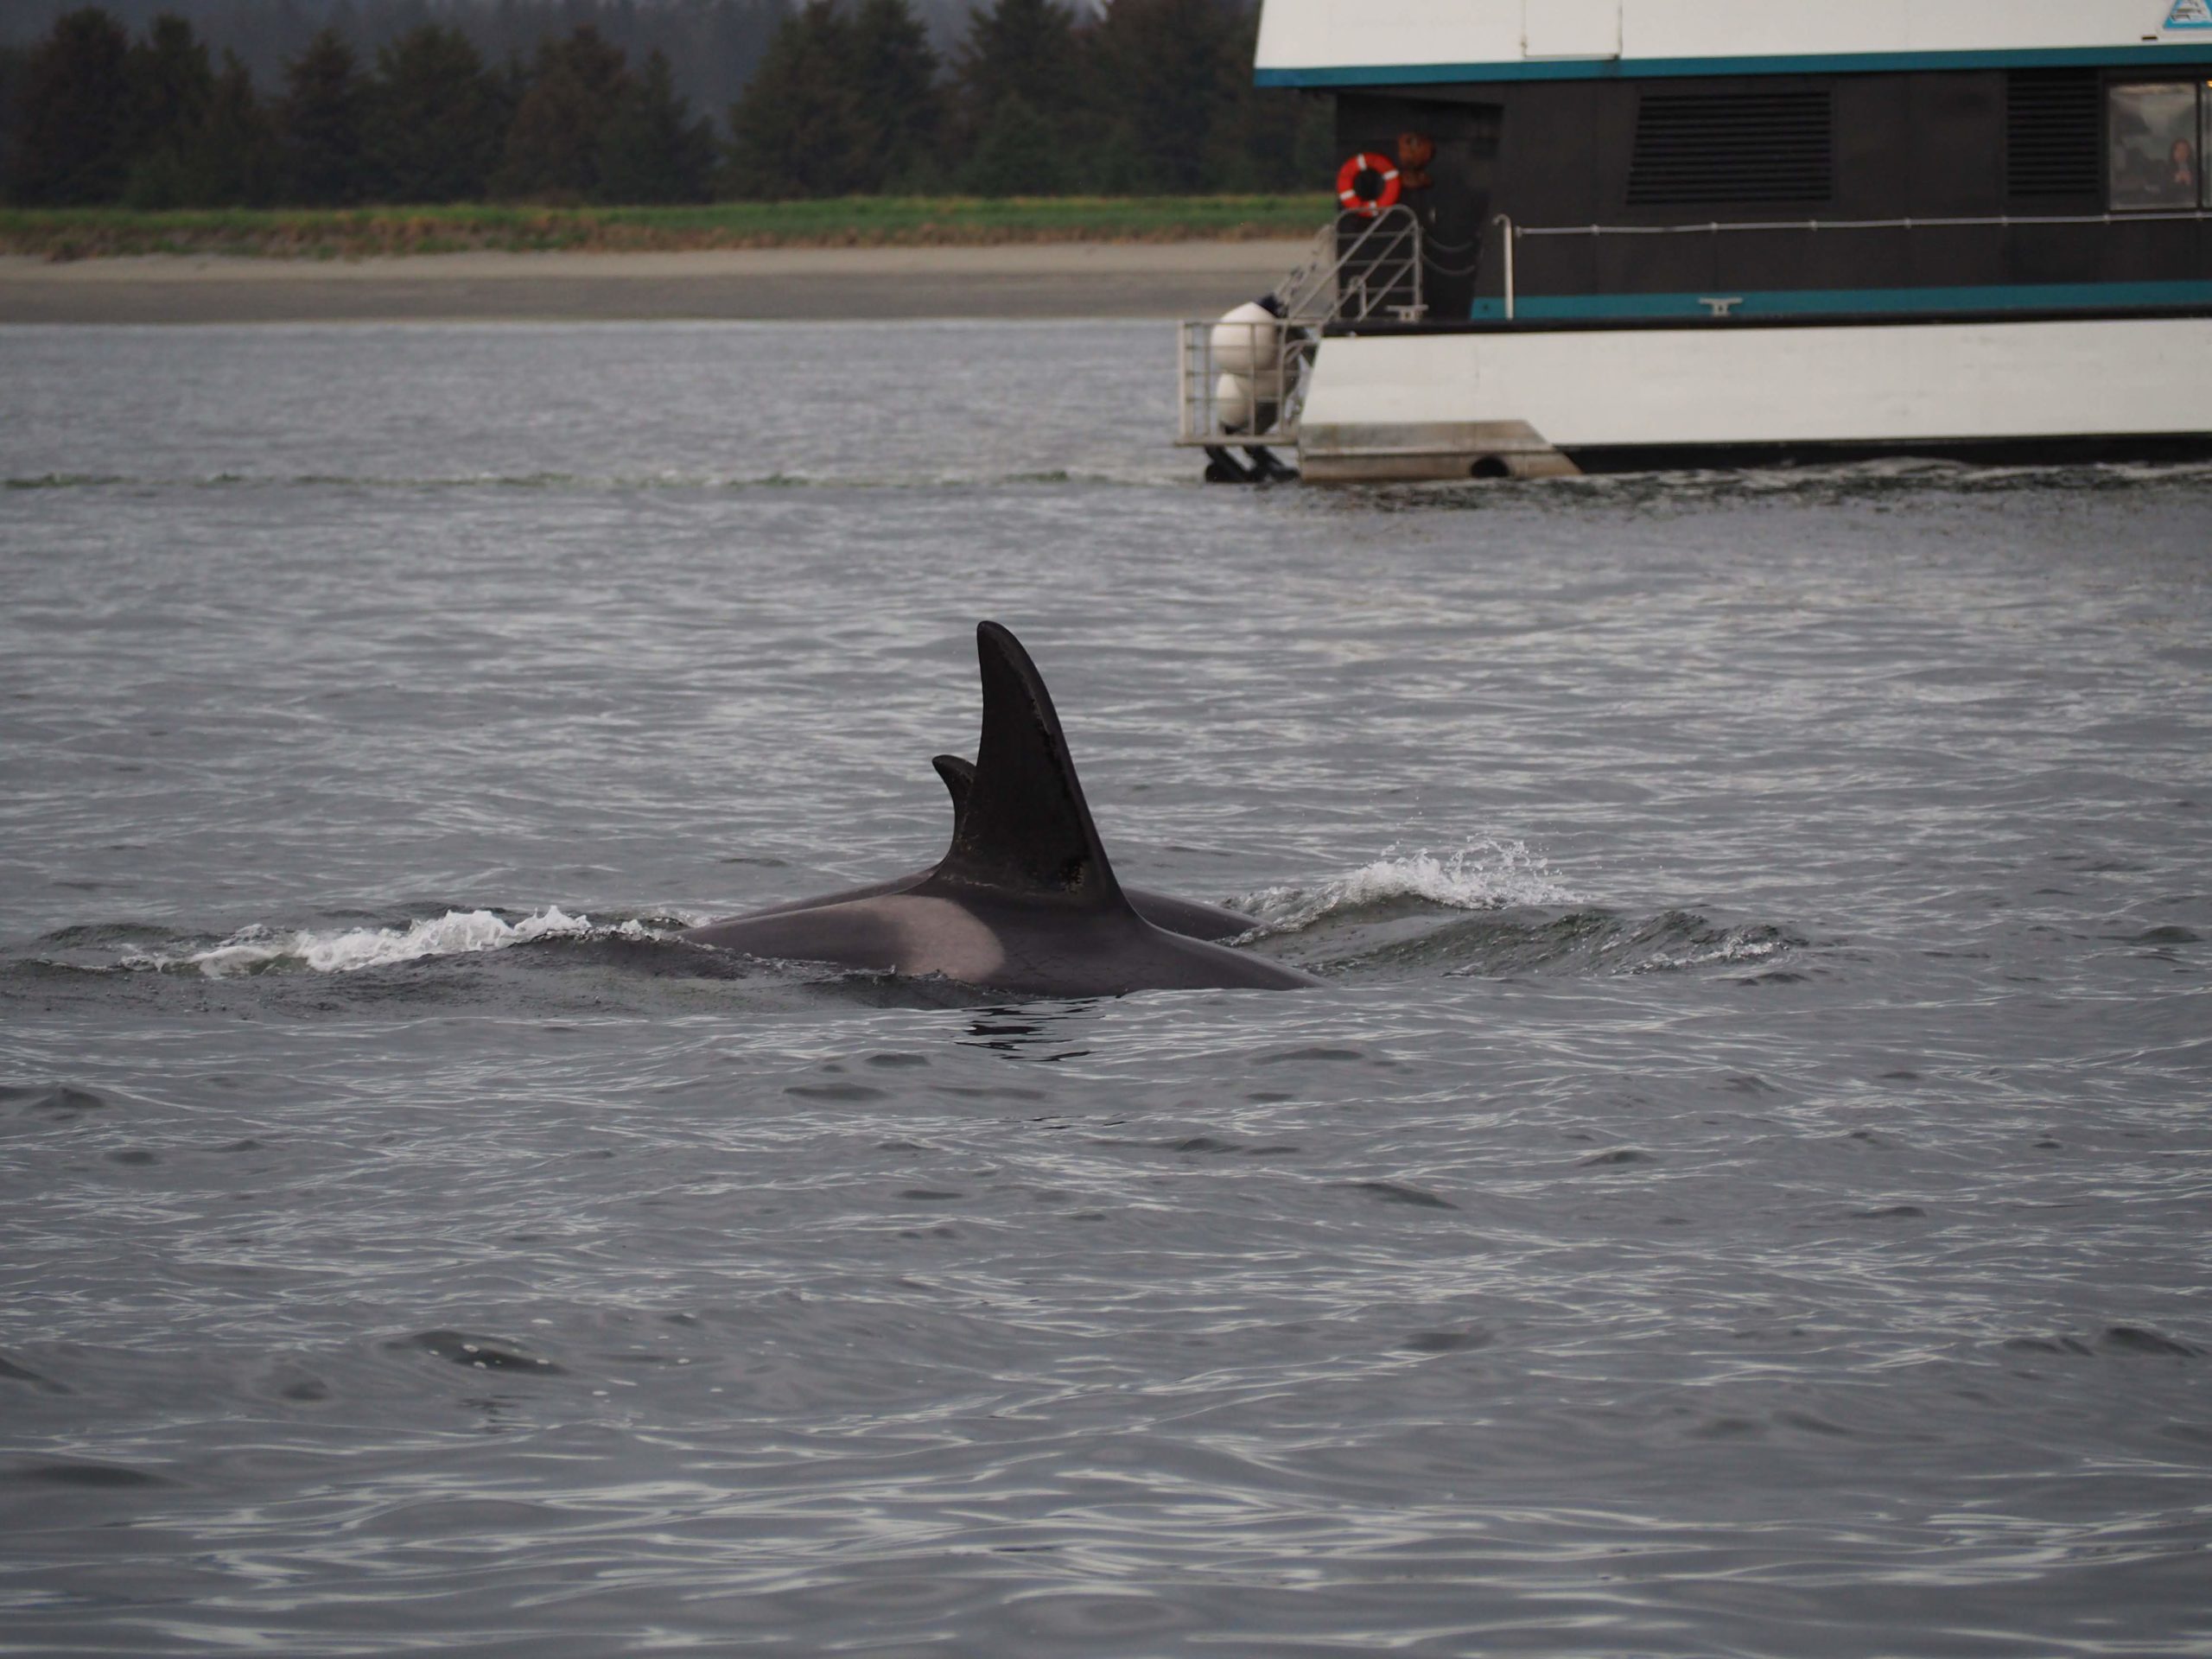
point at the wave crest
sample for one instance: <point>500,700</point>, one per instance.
<point>257,948</point>
<point>1486,875</point>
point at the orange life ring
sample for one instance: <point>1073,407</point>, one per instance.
<point>1348,178</point>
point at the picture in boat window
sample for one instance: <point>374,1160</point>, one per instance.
<point>2156,134</point>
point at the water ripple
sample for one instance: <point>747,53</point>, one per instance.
<point>1744,1182</point>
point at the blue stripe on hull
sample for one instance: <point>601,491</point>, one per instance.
<point>1419,75</point>
<point>1853,302</point>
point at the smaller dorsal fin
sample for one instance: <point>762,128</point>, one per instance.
<point>959,776</point>
<point>1025,829</point>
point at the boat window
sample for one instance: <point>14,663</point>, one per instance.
<point>2155,146</point>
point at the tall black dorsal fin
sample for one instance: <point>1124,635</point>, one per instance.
<point>1025,830</point>
<point>959,776</point>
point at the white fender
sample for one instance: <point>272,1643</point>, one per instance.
<point>1248,340</point>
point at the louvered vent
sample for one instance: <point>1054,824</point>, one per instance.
<point>2053,144</point>
<point>1746,146</point>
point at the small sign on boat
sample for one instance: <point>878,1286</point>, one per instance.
<point>2189,14</point>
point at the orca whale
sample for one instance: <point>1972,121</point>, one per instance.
<point>1024,899</point>
<point>1186,916</point>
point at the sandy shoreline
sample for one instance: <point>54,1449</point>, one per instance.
<point>1026,280</point>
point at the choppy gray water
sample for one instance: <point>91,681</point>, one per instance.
<point>1744,1192</point>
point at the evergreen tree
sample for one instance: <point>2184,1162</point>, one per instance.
<point>236,159</point>
<point>436,120</point>
<point>795,131</point>
<point>1019,154</point>
<point>894,74</point>
<point>552,148</point>
<point>1266,138</point>
<point>170,84</point>
<point>651,150</point>
<point>1156,72</point>
<point>71,114</point>
<point>1115,165</point>
<point>320,123</point>
<point>732,37</point>
<point>1018,48</point>
<point>11,71</point>
<point>277,32</point>
<point>12,80</point>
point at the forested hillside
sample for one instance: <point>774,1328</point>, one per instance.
<point>836,98</point>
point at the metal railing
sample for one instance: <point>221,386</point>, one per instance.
<point>1359,266</point>
<point>1244,382</point>
<point>1513,233</point>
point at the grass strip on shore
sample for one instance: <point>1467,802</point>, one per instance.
<point>64,234</point>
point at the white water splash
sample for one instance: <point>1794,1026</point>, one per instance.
<point>1734,947</point>
<point>1488,875</point>
<point>252,949</point>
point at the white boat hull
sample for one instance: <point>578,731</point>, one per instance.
<point>1532,399</point>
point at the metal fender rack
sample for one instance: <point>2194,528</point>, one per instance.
<point>1242,380</point>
